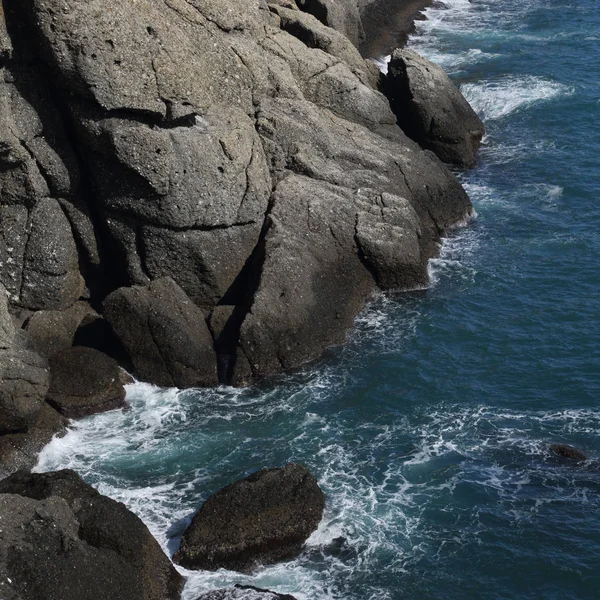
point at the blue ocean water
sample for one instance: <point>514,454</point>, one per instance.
<point>429,430</point>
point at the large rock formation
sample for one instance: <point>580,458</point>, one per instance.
<point>431,110</point>
<point>262,519</point>
<point>61,540</point>
<point>222,179</point>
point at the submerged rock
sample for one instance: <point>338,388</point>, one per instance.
<point>84,381</point>
<point>566,451</point>
<point>244,592</point>
<point>262,519</point>
<point>431,110</point>
<point>61,540</point>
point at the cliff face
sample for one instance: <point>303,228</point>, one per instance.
<point>237,154</point>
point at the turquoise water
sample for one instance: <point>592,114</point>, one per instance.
<point>428,431</point>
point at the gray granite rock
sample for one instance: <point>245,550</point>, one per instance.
<point>431,109</point>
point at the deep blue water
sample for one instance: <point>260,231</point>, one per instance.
<point>428,431</point>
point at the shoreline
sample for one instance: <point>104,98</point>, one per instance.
<point>387,25</point>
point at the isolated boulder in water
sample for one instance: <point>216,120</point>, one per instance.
<point>244,592</point>
<point>83,381</point>
<point>262,519</point>
<point>431,110</point>
<point>567,451</point>
<point>165,334</point>
<point>61,540</point>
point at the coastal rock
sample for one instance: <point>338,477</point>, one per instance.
<point>566,451</point>
<point>51,331</point>
<point>166,140</point>
<point>7,328</point>
<point>39,193</point>
<point>164,333</point>
<point>314,34</point>
<point>27,423</point>
<point>244,592</point>
<point>23,385</point>
<point>84,381</point>
<point>341,16</point>
<point>55,525</point>
<point>19,451</point>
<point>262,519</point>
<point>313,281</point>
<point>431,110</point>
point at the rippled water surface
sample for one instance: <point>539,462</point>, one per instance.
<point>429,430</point>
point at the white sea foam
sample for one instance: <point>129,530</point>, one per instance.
<point>498,98</point>
<point>450,62</point>
<point>381,479</point>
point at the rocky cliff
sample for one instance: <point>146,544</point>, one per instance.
<point>221,182</point>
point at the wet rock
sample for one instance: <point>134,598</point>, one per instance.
<point>83,381</point>
<point>19,451</point>
<point>244,592</point>
<point>566,451</point>
<point>431,110</point>
<point>164,333</point>
<point>262,519</point>
<point>55,525</point>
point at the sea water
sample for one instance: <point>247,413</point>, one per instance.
<point>429,430</point>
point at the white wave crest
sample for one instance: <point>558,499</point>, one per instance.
<point>498,98</point>
<point>450,62</point>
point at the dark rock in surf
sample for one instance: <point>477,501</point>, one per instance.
<point>262,519</point>
<point>431,110</point>
<point>61,540</point>
<point>19,451</point>
<point>84,381</point>
<point>164,333</point>
<point>566,451</point>
<point>244,592</point>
